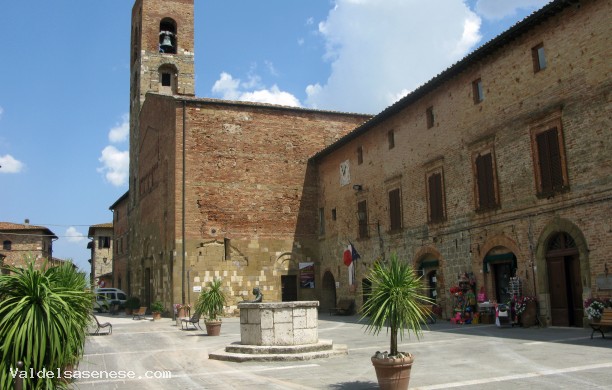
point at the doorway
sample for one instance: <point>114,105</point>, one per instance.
<point>289,288</point>
<point>502,272</point>
<point>328,291</point>
<point>564,281</point>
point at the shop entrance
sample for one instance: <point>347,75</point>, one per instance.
<point>564,281</point>
<point>328,292</point>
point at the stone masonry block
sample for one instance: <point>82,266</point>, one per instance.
<point>283,334</point>
<point>267,319</point>
<point>283,316</point>
<point>305,336</point>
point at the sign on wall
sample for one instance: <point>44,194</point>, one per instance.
<point>307,275</point>
<point>345,174</point>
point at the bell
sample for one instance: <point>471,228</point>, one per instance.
<point>166,44</point>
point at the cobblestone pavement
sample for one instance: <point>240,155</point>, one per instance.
<point>447,356</point>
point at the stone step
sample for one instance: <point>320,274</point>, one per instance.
<point>336,351</point>
<point>322,345</point>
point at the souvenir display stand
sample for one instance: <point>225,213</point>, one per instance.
<point>464,300</point>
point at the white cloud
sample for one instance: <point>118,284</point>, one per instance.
<point>373,62</point>
<point>120,132</point>
<point>74,235</point>
<point>499,9</point>
<point>8,164</point>
<point>230,88</point>
<point>116,164</point>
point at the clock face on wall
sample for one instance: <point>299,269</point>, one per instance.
<point>345,174</point>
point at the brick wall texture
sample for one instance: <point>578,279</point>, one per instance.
<point>573,92</point>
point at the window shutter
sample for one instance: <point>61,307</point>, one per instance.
<point>362,210</point>
<point>556,174</point>
<point>395,211</point>
<point>435,198</point>
<point>484,177</point>
<point>549,156</point>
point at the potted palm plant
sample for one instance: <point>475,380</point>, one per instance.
<point>211,303</point>
<point>157,308</point>
<point>396,303</point>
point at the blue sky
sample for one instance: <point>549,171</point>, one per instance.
<point>64,82</point>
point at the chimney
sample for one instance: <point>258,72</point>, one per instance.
<point>27,222</point>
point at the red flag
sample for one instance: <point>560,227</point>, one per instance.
<point>348,256</point>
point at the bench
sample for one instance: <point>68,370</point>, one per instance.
<point>102,325</point>
<point>604,324</point>
<point>140,313</point>
<point>195,320</point>
<point>345,307</point>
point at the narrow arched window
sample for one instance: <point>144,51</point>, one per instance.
<point>167,36</point>
<point>6,245</point>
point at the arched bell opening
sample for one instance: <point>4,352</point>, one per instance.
<point>167,36</point>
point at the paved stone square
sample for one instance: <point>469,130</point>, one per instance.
<point>447,356</point>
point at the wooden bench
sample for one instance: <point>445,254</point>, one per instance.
<point>345,307</point>
<point>604,324</point>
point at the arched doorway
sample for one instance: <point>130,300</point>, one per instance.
<point>564,281</point>
<point>328,292</point>
<point>500,264</point>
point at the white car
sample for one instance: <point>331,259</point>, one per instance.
<point>106,297</point>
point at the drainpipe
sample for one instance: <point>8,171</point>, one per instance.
<point>183,209</point>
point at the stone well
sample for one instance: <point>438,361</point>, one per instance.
<point>278,331</point>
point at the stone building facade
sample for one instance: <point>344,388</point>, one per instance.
<point>500,166</point>
<point>101,247</point>
<point>121,252</point>
<point>22,243</point>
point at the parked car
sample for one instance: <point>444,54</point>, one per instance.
<point>106,297</point>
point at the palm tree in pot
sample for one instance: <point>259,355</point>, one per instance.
<point>396,303</point>
<point>211,303</point>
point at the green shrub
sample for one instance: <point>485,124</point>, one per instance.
<point>212,301</point>
<point>44,317</point>
<point>157,306</point>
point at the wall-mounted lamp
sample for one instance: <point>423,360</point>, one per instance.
<point>357,187</point>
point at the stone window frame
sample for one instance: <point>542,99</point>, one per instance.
<point>391,184</point>
<point>552,121</point>
<point>478,149</point>
<point>429,117</point>
<point>434,167</point>
<point>391,139</point>
<point>477,91</point>
<point>538,56</point>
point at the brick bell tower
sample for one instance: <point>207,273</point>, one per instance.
<point>162,58</point>
<point>161,61</point>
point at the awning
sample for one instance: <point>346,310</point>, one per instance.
<point>497,259</point>
<point>428,264</point>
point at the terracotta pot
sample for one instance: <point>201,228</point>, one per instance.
<point>213,328</point>
<point>393,373</point>
<point>156,315</point>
